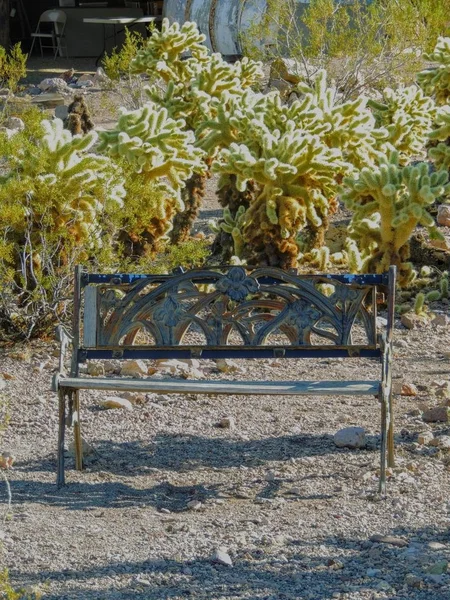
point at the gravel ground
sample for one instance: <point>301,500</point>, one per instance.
<point>172,506</point>
<point>165,489</point>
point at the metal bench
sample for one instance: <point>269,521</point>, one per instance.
<point>227,312</point>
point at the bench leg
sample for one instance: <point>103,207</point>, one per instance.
<point>384,427</point>
<point>77,431</point>
<point>60,481</point>
<point>391,456</point>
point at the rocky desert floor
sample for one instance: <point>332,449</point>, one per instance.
<point>231,497</point>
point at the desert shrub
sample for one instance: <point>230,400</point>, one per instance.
<point>362,45</point>
<point>117,64</point>
<point>55,198</point>
<point>12,66</point>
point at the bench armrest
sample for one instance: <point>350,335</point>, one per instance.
<point>64,338</point>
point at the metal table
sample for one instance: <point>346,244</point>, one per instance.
<point>118,21</point>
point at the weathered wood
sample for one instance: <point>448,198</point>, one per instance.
<point>247,388</point>
<point>61,432</point>
<point>77,431</point>
<point>90,317</point>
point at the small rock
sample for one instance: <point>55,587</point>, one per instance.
<point>2,383</point>
<point>438,568</point>
<point>226,366</point>
<point>409,389</point>
<point>56,84</point>
<point>100,77</point>
<point>194,505</point>
<point>444,442</point>
<point>389,539</point>
<point>381,322</point>
<point>412,321</point>
<point>437,546</point>
<point>226,423</point>
<point>14,123</point>
<point>87,449</point>
<point>425,438</point>
<point>443,215</point>
<point>95,369</point>
<point>8,376</point>
<point>401,344</point>
<point>116,402</point>
<point>134,368</point>
<point>33,90</point>
<point>61,112</point>
<point>350,437</point>
<point>135,398</point>
<point>7,460</point>
<point>443,390</point>
<point>436,414</point>
<point>441,321</point>
<point>412,580</point>
<point>222,557</point>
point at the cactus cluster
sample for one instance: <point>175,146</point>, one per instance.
<point>407,114</point>
<point>435,81</point>
<point>296,154</point>
<point>195,84</point>
<point>162,155</point>
<point>388,201</point>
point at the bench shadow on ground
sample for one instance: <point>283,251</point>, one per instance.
<point>178,453</point>
<point>255,574</point>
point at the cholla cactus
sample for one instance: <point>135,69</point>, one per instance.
<point>157,146</point>
<point>163,155</point>
<point>175,53</point>
<point>440,153</point>
<point>436,81</point>
<point>408,115</point>
<point>349,126</point>
<point>389,201</point>
<point>296,177</point>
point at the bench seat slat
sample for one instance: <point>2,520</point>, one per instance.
<point>273,388</point>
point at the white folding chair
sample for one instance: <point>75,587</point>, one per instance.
<point>55,34</point>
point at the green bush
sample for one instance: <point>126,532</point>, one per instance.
<point>361,45</point>
<point>55,202</point>
<point>12,67</point>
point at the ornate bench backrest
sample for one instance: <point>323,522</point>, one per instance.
<point>226,312</point>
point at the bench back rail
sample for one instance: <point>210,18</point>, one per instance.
<point>226,313</point>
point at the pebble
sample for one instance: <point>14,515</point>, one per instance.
<point>116,402</point>
<point>443,215</point>
<point>134,368</point>
<point>436,414</point>
<point>226,423</point>
<point>389,539</point>
<point>350,437</point>
<point>222,557</point>
<point>409,389</point>
<point>425,438</point>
